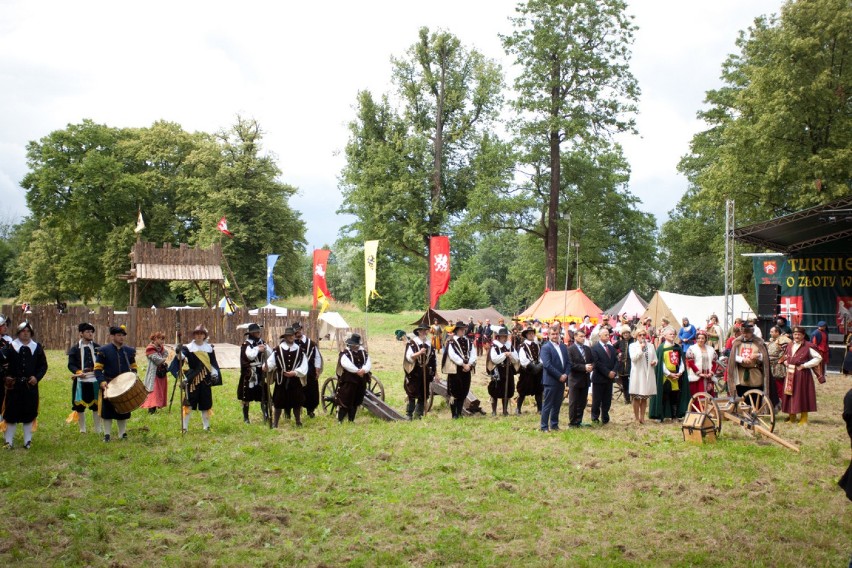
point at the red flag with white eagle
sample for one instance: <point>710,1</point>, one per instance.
<point>320,267</point>
<point>222,225</point>
<point>439,268</point>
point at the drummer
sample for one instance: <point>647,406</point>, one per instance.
<point>113,359</point>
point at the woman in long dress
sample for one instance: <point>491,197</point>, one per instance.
<point>155,376</point>
<point>799,391</point>
<point>700,364</point>
<point>643,381</point>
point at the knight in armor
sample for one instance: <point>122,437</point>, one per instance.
<point>458,363</point>
<point>26,366</point>
<point>419,366</point>
<point>529,381</point>
<point>84,391</point>
<point>200,377</point>
<point>502,366</point>
<point>111,360</point>
<point>290,367</point>
<point>250,388</point>
<point>312,354</point>
<point>353,371</point>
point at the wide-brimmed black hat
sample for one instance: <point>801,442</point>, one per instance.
<point>460,325</point>
<point>253,327</point>
<point>85,326</point>
<point>420,327</point>
<point>117,330</point>
<point>297,326</point>
<point>288,331</point>
<point>527,330</point>
<point>354,339</point>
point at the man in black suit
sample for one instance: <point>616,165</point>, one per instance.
<point>606,360</point>
<point>582,364</point>
<point>556,365</point>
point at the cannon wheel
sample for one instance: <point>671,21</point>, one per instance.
<point>376,387</point>
<point>327,395</point>
<point>758,407</point>
<point>703,402</point>
<point>617,390</point>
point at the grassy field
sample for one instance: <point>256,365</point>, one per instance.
<point>481,491</point>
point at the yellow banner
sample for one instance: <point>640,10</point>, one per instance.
<point>371,249</point>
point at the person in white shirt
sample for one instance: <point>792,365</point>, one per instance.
<point>419,367</point>
<point>353,371</point>
<point>529,381</point>
<point>462,361</point>
<point>502,365</point>
<point>290,366</point>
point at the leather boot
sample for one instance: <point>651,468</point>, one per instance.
<point>341,414</point>
<point>277,418</point>
<point>265,409</point>
<point>418,410</point>
<point>505,407</point>
<point>245,413</point>
<point>493,407</point>
<point>791,418</point>
<point>409,409</point>
<point>804,418</point>
<point>298,413</point>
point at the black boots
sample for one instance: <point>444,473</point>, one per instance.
<point>409,409</point>
<point>245,414</point>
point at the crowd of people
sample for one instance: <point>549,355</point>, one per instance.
<point>657,368</point>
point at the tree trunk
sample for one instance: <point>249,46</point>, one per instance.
<point>551,241</point>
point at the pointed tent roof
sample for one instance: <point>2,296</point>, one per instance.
<point>697,308</point>
<point>444,317</point>
<point>562,305</point>
<point>631,305</point>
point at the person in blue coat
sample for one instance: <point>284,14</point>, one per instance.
<point>556,367</point>
<point>687,334</point>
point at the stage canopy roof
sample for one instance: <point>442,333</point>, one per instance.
<point>825,228</point>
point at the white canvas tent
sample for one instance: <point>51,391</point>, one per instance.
<point>279,311</point>
<point>329,323</point>
<point>697,308</point>
<point>631,305</point>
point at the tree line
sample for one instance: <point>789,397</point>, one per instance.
<point>509,174</point>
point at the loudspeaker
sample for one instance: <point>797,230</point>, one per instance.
<point>768,300</point>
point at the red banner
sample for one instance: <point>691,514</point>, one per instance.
<point>439,268</point>
<point>320,266</point>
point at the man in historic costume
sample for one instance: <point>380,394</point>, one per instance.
<point>111,360</point>
<point>4,341</point>
<point>458,363</point>
<point>353,370</point>
<point>529,381</point>
<point>199,379</point>
<point>419,364</point>
<point>251,388</point>
<point>799,395</point>
<point>290,367</point>
<point>748,363</point>
<point>314,358</point>
<point>502,365</point>
<point>603,377</point>
<point>819,339</point>
<point>714,334</point>
<point>672,398</point>
<point>624,362</point>
<point>26,366</point>
<point>782,324</point>
<point>84,384</point>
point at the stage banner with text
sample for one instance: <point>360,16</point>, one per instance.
<point>813,287</point>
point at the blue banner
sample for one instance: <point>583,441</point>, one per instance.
<point>271,259</point>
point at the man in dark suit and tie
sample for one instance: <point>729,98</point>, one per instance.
<point>606,360</point>
<point>582,364</point>
<point>556,366</point>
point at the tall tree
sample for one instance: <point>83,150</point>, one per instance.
<point>409,170</point>
<point>574,83</point>
<point>779,135</point>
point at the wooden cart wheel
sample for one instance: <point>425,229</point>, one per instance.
<point>327,395</point>
<point>377,388</point>
<point>758,407</point>
<point>703,402</point>
<point>617,390</point>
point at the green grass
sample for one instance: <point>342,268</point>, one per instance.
<point>437,492</point>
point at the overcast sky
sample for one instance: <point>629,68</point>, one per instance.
<point>296,67</point>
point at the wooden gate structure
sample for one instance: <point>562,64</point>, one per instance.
<point>186,264</point>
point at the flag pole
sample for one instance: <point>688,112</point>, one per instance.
<point>230,273</point>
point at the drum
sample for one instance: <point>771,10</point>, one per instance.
<point>126,393</point>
